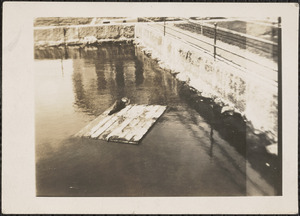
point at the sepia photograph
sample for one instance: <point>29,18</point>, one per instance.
<point>157,106</point>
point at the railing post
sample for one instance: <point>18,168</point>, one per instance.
<point>201,27</point>
<point>279,63</point>
<point>65,32</point>
<point>279,45</point>
<point>215,40</point>
<point>164,26</point>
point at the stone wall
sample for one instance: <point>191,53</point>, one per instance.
<point>253,95</point>
<point>82,34</point>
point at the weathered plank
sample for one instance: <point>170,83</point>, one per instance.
<point>101,127</point>
<point>151,112</point>
<point>140,133</point>
<point>135,131</point>
<point>121,123</point>
<point>135,125</point>
<point>93,123</point>
<point>128,125</point>
<point>147,124</point>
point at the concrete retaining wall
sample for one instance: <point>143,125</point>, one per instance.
<point>81,34</point>
<point>253,95</point>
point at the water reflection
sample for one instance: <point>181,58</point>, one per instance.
<point>111,71</point>
<point>80,94</point>
<point>139,76</point>
<point>119,77</point>
<point>100,71</point>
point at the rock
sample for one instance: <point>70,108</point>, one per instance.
<point>272,149</point>
<point>228,109</point>
<point>271,136</point>
<point>90,39</point>
<point>181,77</point>
<point>218,102</point>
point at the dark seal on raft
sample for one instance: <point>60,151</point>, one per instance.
<point>119,105</point>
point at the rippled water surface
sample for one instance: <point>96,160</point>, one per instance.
<point>182,155</point>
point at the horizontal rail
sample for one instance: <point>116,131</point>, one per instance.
<point>226,30</point>
<point>212,45</point>
<point>234,64</point>
<point>184,41</point>
<point>273,24</point>
<point>187,35</point>
<point>236,33</point>
<point>234,40</point>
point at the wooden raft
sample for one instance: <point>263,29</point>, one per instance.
<point>129,125</point>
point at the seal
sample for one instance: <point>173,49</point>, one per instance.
<point>119,105</point>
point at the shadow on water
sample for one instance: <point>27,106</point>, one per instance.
<point>102,74</point>
<point>120,79</point>
<point>233,128</point>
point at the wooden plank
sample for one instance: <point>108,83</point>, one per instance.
<point>141,132</point>
<point>101,127</point>
<point>130,128</point>
<point>121,123</point>
<point>122,116</point>
<point>133,133</point>
<point>151,112</point>
<point>114,126</point>
<point>130,131</point>
<point>102,121</point>
<point>159,112</point>
<point>147,124</point>
<point>138,111</point>
<point>128,125</point>
<point>93,123</point>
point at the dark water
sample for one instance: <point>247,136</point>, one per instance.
<point>184,154</point>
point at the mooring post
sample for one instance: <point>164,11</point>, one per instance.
<point>215,40</point>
